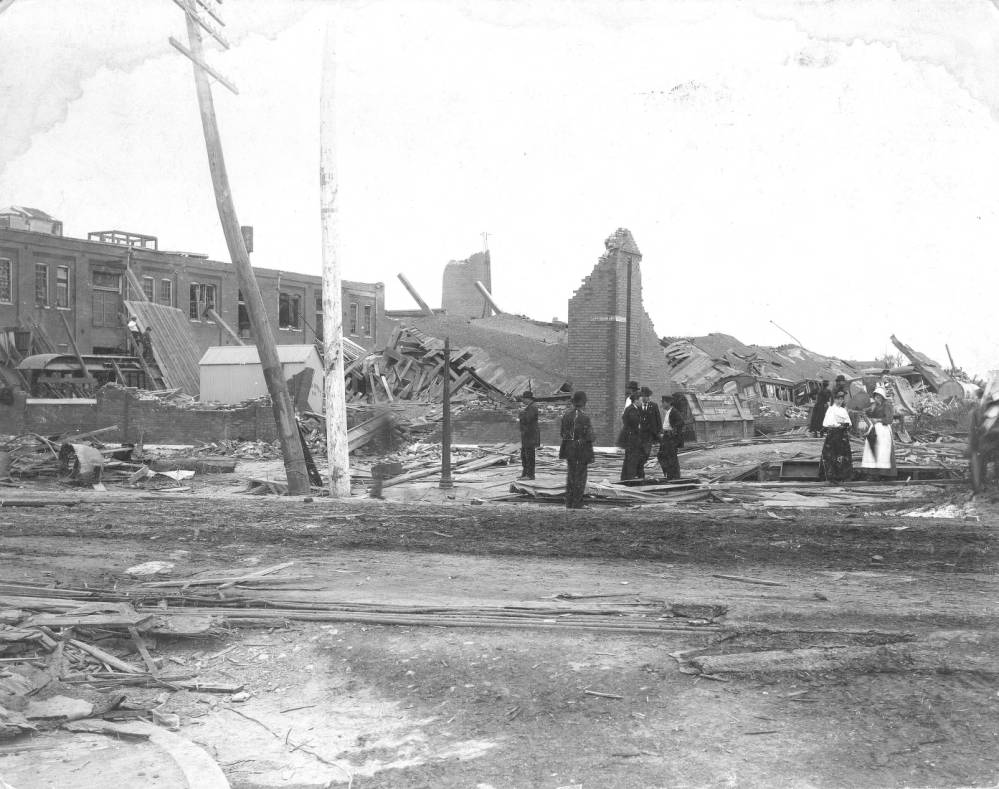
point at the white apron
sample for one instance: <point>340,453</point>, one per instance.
<point>882,456</point>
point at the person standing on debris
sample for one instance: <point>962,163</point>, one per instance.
<point>837,461</point>
<point>630,437</point>
<point>841,386</point>
<point>530,435</point>
<point>133,328</point>
<point>576,450</point>
<point>650,429</point>
<point>672,439</point>
<point>879,449</point>
<point>147,344</point>
<point>822,400</point>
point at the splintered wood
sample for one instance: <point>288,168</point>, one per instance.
<point>411,367</point>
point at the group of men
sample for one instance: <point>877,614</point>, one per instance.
<point>643,425</point>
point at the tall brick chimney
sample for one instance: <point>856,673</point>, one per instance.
<point>611,337</point>
<point>459,296</point>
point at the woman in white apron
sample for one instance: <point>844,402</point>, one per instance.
<point>879,452</point>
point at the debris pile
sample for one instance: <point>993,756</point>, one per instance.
<point>75,662</point>
<point>411,367</point>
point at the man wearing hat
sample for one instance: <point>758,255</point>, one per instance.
<point>629,390</point>
<point>530,435</point>
<point>672,439</point>
<point>650,429</point>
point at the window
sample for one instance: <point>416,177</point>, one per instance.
<point>319,316</point>
<point>366,324</point>
<point>202,300</point>
<point>352,319</point>
<point>242,316</point>
<point>147,288</point>
<point>166,292</point>
<point>107,297</point>
<point>289,311</point>
<point>41,285</point>
<point>62,286</point>
<point>6,282</point>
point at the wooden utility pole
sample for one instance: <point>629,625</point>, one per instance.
<point>284,411</point>
<point>446,481</point>
<point>337,450</point>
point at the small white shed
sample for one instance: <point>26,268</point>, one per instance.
<point>232,373</point>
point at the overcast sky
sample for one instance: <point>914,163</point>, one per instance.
<point>828,165</point>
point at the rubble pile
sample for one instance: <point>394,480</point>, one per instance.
<point>80,664</point>
<point>411,367</point>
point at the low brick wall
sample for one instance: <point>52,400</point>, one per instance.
<point>152,421</point>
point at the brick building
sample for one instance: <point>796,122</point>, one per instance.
<point>46,277</point>
<point>459,296</point>
<point>611,337</point>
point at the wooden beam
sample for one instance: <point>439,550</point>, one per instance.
<point>228,329</point>
<point>202,64</point>
<point>416,296</point>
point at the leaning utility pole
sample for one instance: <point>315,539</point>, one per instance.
<point>284,412</point>
<point>337,450</point>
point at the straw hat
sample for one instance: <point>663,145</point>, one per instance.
<point>880,390</point>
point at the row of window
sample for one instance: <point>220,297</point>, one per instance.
<point>203,297</point>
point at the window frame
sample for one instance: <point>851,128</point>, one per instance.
<point>210,304</point>
<point>151,293</point>
<point>352,318</point>
<point>8,264</point>
<point>168,284</point>
<point>42,300</point>
<point>294,308</point>
<point>367,320</point>
<point>68,291</point>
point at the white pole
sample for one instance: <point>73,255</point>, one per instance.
<point>336,409</point>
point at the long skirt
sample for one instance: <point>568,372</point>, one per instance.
<point>527,461</point>
<point>632,462</point>
<point>575,484</point>
<point>879,451</point>
<point>837,460</point>
<point>667,457</point>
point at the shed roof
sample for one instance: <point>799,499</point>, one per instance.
<point>247,354</point>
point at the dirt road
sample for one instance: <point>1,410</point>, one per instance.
<point>863,655</point>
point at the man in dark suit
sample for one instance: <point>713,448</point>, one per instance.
<point>672,439</point>
<point>576,450</point>
<point>649,430</point>
<point>530,435</point>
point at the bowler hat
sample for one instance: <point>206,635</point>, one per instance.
<point>646,392</point>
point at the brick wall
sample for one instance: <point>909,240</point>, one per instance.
<point>599,333</point>
<point>459,296</point>
<point>153,421</point>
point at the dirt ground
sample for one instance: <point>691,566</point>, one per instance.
<point>869,650</point>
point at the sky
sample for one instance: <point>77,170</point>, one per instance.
<point>818,169</point>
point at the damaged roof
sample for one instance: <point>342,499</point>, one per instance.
<point>699,362</point>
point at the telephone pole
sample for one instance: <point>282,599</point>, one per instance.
<point>337,450</point>
<point>284,411</point>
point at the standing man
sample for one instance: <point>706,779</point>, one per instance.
<point>576,450</point>
<point>629,390</point>
<point>672,439</point>
<point>630,438</point>
<point>530,435</point>
<point>822,400</point>
<point>133,328</point>
<point>650,429</point>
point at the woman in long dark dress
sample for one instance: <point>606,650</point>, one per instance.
<point>837,457</point>
<point>815,422</point>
